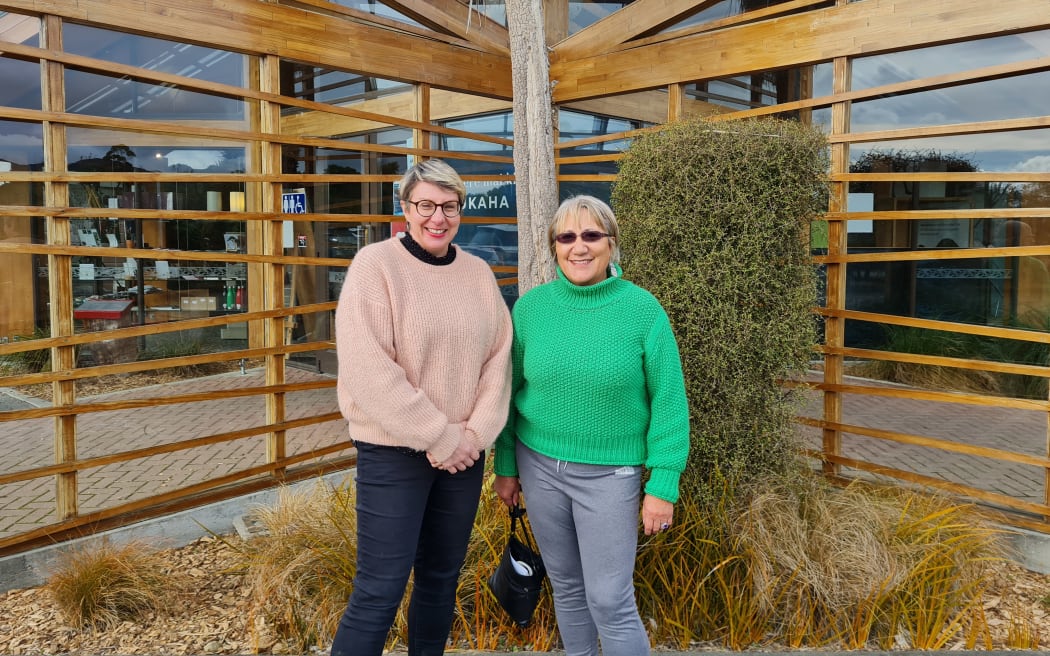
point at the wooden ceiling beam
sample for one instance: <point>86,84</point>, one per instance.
<point>636,18</point>
<point>296,34</point>
<point>459,19</point>
<point>856,28</point>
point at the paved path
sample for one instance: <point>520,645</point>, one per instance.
<point>1019,431</point>
<point>26,444</point>
<point>29,443</point>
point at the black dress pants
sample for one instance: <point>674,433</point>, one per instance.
<point>410,516</point>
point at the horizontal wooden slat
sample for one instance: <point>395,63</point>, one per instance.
<point>154,329</point>
<point>930,442</point>
<point>160,449</point>
<point>936,483</point>
<point>965,398</point>
<point>934,324</point>
<point>933,254</point>
<point>228,138</point>
<point>952,130</point>
<point>1039,371</point>
<point>158,401</point>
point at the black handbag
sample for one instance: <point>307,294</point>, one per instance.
<point>518,578</point>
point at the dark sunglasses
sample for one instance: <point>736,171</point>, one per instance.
<point>588,236</point>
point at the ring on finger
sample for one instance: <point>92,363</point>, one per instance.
<point>664,526</point>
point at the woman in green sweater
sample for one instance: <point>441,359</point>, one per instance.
<point>597,395</point>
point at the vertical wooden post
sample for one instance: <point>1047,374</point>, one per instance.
<point>421,113</point>
<point>270,276</point>
<point>675,98</point>
<point>60,269</point>
<point>834,327</point>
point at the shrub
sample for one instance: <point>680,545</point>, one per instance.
<point>104,585</point>
<point>714,220</point>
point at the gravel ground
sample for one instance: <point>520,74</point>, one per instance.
<point>211,614</point>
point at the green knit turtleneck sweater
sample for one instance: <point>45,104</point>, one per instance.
<point>598,380</point>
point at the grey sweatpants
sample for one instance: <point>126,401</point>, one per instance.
<point>585,519</point>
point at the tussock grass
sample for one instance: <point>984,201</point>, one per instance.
<point>302,573</point>
<point>799,563</point>
<point>101,586</point>
<point>792,562</point>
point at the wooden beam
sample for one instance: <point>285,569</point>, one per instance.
<point>858,28</point>
<point>458,19</point>
<point>293,33</point>
<point>636,18</point>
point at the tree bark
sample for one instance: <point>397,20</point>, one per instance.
<point>537,190</point>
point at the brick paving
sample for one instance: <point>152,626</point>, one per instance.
<point>1008,429</point>
<point>26,444</point>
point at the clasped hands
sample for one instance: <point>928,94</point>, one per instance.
<point>464,457</point>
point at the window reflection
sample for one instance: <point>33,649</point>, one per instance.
<point>21,87</point>
<point>1013,151</point>
<point>762,89</point>
<point>1023,96</point>
<point>22,145</point>
<point>878,70</point>
<point>103,95</point>
<point>198,62</point>
<point>333,86</point>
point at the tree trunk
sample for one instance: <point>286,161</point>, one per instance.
<point>537,190</point>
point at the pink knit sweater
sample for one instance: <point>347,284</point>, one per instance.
<point>424,350</point>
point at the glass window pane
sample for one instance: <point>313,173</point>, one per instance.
<point>878,70</point>
<point>1021,150</point>
<point>18,28</point>
<point>104,95</point>
<point>113,150</point>
<point>760,89</point>
<point>336,87</point>
<point>21,87</point>
<point>728,8</point>
<point>21,146</point>
<point>1023,96</point>
<point>198,62</point>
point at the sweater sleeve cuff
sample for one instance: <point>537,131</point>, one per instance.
<point>446,444</point>
<point>505,459</point>
<point>663,484</point>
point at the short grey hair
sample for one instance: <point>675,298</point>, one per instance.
<point>569,212</point>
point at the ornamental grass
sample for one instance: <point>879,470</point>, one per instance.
<point>101,585</point>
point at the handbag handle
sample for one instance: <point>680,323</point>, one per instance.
<point>516,513</point>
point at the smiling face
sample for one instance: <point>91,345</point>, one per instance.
<point>433,233</point>
<point>583,263</point>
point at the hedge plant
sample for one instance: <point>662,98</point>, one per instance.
<point>714,221</point>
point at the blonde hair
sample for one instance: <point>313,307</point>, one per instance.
<point>435,171</point>
<point>569,212</point>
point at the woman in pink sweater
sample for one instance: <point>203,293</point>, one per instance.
<point>423,337</point>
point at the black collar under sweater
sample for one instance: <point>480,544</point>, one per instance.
<point>423,254</point>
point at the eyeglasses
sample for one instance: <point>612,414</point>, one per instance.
<point>588,236</point>
<point>426,208</point>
